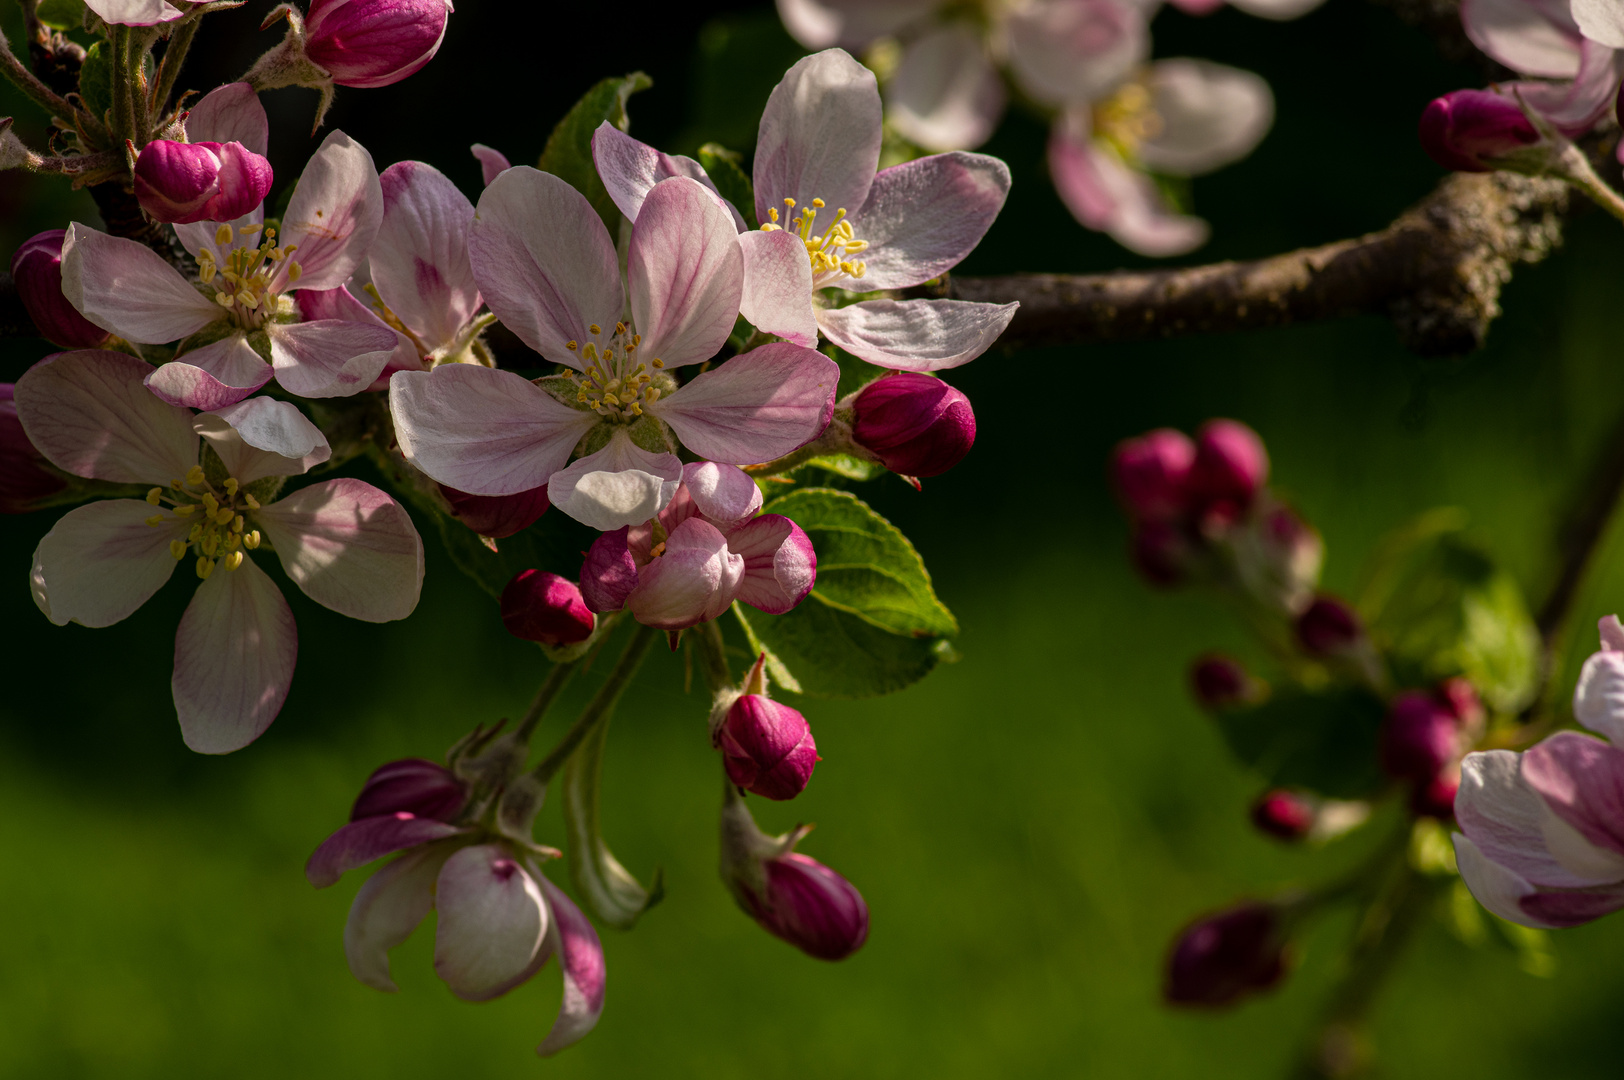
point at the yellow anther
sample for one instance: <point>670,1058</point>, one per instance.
<point>232,541</point>
<point>231,485</point>
<point>590,352</point>
<point>658,362</point>
<point>250,230</point>
<point>253,503</point>
<point>223,299</point>
<point>595,328</point>
<point>652,394</point>
<point>185,511</point>
<point>194,475</point>
<point>251,541</point>
<point>205,567</point>
<point>211,543</point>
<point>620,328</point>
<point>295,271</point>
<point>155,519</point>
<point>637,339</point>
<point>222,235</point>
<point>210,503</point>
<point>154,495</point>
<point>581,396</point>
<point>610,399</point>
<point>177,548</point>
<point>248,299</point>
<point>637,410</point>
<point>571,346</point>
<point>290,249</point>
<point>790,203</point>
<point>233,560</point>
<point>195,534</point>
<point>236,526</point>
<point>224,515</point>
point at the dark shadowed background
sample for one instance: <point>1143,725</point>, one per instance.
<point>1030,825</point>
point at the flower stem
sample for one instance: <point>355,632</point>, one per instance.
<point>174,57</point>
<point>602,705</point>
<point>1577,170</point>
<point>713,656</point>
<point>37,92</point>
<point>557,678</point>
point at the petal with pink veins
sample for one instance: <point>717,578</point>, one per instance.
<point>1530,38</point>
<point>630,169</point>
<point>230,113</point>
<point>213,376</point>
<point>1505,819</point>
<point>755,407</point>
<point>1103,193</point>
<point>780,566</point>
<point>340,303</point>
<point>1598,699</point>
<point>685,273</point>
<point>1211,115</point>
<point>492,922</point>
<point>1074,52</point>
<point>389,906</point>
<point>1574,107</point>
<point>819,136</point>
<point>726,495</point>
<point>134,12</point>
<point>102,561</point>
<point>917,335</point>
<point>420,257</point>
<point>492,163</point>
<point>128,289</point>
<point>90,415</point>
<point>329,357</point>
<point>544,262</point>
<point>1562,909</point>
<point>333,216</point>
<point>483,431</point>
<point>609,573</point>
<point>945,94</point>
<point>349,547</point>
<point>580,954</point>
<point>234,656</point>
<point>777,295</point>
<point>695,579</point>
<point>622,484</point>
<point>1582,781</point>
<point>924,216</point>
<point>359,842</point>
<point>263,437</point>
<point>1496,887</point>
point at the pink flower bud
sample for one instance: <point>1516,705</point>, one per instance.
<point>915,424</point>
<point>24,478</point>
<point>206,181</point>
<point>1460,698</point>
<point>1222,958</point>
<point>1151,474</point>
<point>767,747</point>
<point>1162,552</point>
<point>370,43</point>
<point>1284,815</point>
<point>1329,628</point>
<point>412,786</point>
<point>497,516</point>
<point>1230,466</point>
<point>36,267</point>
<point>539,606</point>
<point>1436,797</point>
<point>1220,683</point>
<point>811,907</point>
<point>1472,130</point>
<point>1420,737</point>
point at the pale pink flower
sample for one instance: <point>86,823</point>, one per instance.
<point>138,12</point>
<point>1569,57</point>
<point>547,268</point>
<point>347,545</point>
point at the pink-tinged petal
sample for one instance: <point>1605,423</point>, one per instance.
<point>350,547</point>
<point>414,785</point>
<point>1496,887</point>
<point>492,163</point>
<point>685,272</point>
<point>1278,10</point>
<point>1574,107</point>
<point>360,842</point>
<point>1103,193</point>
<point>333,216</point>
<point>544,262</point>
<point>1212,115</point>
<point>340,303</point>
<point>128,289</point>
<point>727,496</point>
<point>483,431</point>
<point>695,579</point>
<point>1072,52</point>
<point>1601,21</point>
<point>218,374</point>
<point>1505,819</point>
<point>755,407</point>
<point>387,909</point>
<point>916,335</point>
<point>102,561</point>
<point>780,566</point>
<point>622,484</point>
<point>630,169</point>
<point>420,257</point>
<point>134,12</point>
<point>777,294</point>
<point>1582,781</point>
<point>1598,699</point>
<point>497,516</point>
<point>852,24</point>
<point>1531,38</point>
<point>580,954</point>
<point>230,113</point>
<point>234,656</point>
<point>329,357</point>
<point>201,235</point>
<point>609,574</point>
<point>493,920</point>
<point>263,437</point>
<point>946,94</point>
<point>89,414</point>
<point>819,136</point>
<point>1612,633</point>
<point>1567,909</point>
<point>924,216</point>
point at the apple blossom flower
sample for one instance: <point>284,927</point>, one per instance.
<point>25,477</point>
<point>1276,10</point>
<point>36,268</point>
<point>706,549</point>
<point>138,12</point>
<point>1225,957</point>
<point>371,43</point>
<point>1569,56</point>
<point>236,339</point>
<point>539,606</point>
<point>347,545</point>
<point>767,747</point>
<point>817,153</point>
<point>914,424</point>
<point>185,182</point>
<point>547,268</point>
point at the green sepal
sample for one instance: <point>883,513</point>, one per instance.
<point>726,171</point>
<point>96,79</point>
<point>61,14</point>
<point>1324,741</point>
<point>605,888</point>
<point>568,154</point>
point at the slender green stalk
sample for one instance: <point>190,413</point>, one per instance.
<point>32,27</point>
<point>556,680</point>
<point>174,58</point>
<point>123,113</point>
<point>602,705</point>
<point>713,656</point>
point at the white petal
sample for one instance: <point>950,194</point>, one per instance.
<point>1600,20</point>
<point>333,216</point>
<point>1598,699</point>
<point>620,485</point>
<point>126,288</point>
<point>819,136</point>
<point>917,335</point>
<point>420,258</point>
<point>492,922</point>
<point>102,561</point>
<point>263,437</point>
<point>777,296</point>
<point>1211,115</point>
<point>329,357</point>
<point>1505,819</point>
<point>387,909</point>
<point>230,113</point>
<point>1495,887</point>
<point>685,273</point>
<point>1530,38</point>
<point>1073,52</point>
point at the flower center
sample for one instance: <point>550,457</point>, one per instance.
<point>217,535</point>
<point>615,383</point>
<point>245,273</point>
<point>1127,118</point>
<point>830,250</point>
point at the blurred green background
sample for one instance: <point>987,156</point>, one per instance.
<point>1030,826</point>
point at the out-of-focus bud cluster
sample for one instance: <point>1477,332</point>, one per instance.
<point>1423,739</point>
<point>26,478</point>
<point>1221,959</point>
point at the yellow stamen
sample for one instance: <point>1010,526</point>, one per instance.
<point>155,519</point>
<point>154,495</point>
<point>253,504</point>
<point>231,485</point>
<point>251,541</point>
<point>185,511</point>
<point>194,475</point>
<point>658,362</point>
<point>205,567</point>
<point>177,548</point>
<point>222,235</point>
<point>233,560</point>
<point>224,515</point>
<point>236,526</point>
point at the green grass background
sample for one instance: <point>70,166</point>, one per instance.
<point>1030,826</point>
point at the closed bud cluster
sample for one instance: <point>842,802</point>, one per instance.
<point>1423,739</point>
<point>543,607</point>
<point>1229,470</point>
<point>1293,816</point>
<point>25,477</point>
<point>916,425</point>
<point>1329,628</point>
<point>1220,683</point>
<point>36,267</point>
<point>1221,959</point>
<point>181,183</point>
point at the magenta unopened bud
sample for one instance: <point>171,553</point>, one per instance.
<point>1284,815</point>
<point>36,268</point>
<point>1420,737</point>
<point>1151,474</point>
<point>412,786</point>
<point>1230,466</point>
<point>915,424</point>
<point>1459,696</point>
<point>1222,958</point>
<point>1162,552</point>
<point>811,907</point>
<point>1472,130</point>
<point>25,478</point>
<point>1436,797</point>
<point>369,43</point>
<point>206,181</point>
<point>1221,683</point>
<point>767,747</point>
<point>539,606</point>
<point>497,516</point>
<point>1328,627</point>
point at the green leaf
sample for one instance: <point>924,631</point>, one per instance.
<point>96,79</point>
<point>724,168</point>
<point>823,651</point>
<point>1322,741</point>
<point>852,468</point>
<point>568,154</point>
<point>62,14</point>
